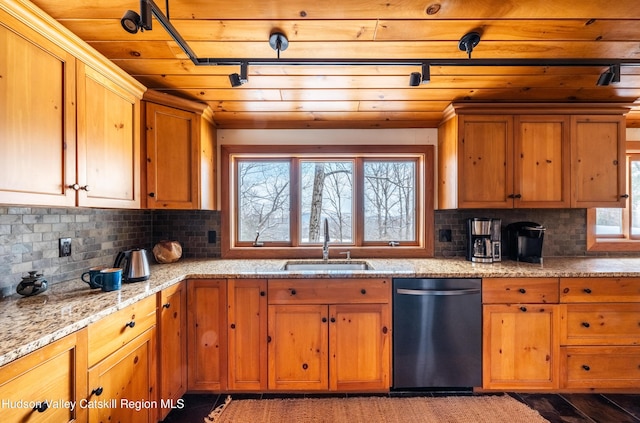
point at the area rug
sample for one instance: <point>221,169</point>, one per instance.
<point>372,409</point>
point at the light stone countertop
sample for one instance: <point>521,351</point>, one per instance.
<point>28,323</point>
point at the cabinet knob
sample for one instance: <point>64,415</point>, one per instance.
<point>262,293</point>
<point>41,407</point>
<point>293,292</point>
<point>324,320</point>
<point>517,196</point>
<point>586,324</point>
<point>523,308</point>
<point>167,305</point>
<point>233,326</point>
<point>333,320</point>
<point>268,339</point>
<point>624,196</point>
<point>152,194</point>
<point>85,188</point>
<point>586,368</point>
<point>130,324</point>
<point>363,291</point>
<point>74,187</point>
<point>587,290</point>
<point>97,391</point>
<point>522,291</point>
<point>305,366</point>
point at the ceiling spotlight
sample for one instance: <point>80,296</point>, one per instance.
<point>426,74</point>
<point>242,78</point>
<point>132,22</point>
<point>279,42</point>
<point>607,77</point>
<point>468,42</point>
<point>414,79</point>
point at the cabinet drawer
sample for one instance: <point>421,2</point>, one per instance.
<point>519,290</point>
<point>600,324</point>
<point>114,331</point>
<point>600,367</point>
<point>328,291</point>
<point>596,290</point>
<point>50,378</point>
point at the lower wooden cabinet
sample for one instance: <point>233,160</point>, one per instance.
<point>247,334</point>
<point>207,334</point>
<point>122,386</point>
<point>40,386</point>
<point>172,347</point>
<point>521,346</point>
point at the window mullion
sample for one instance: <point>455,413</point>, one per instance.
<point>295,202</point>
<point>358,195</point>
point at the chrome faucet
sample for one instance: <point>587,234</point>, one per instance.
<point>325,242</point>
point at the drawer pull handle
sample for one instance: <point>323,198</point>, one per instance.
<point>293,292</point>
<point>587,290</point>
<point>522,291</point>
<point>363,291</point>
<point>41,407</point>
<point>167,305</point>
<point>524,309</point>
<point>586,324</point>
<point>97,391</point>
<point>586,368</point>
<point>131,324</point>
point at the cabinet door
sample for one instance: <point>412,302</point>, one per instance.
<point>125,383</point>
<point>598,161</point>
<point>50,378</point>
<point>542,161</point>
<point>37,118</point>
<point>485,162</point>
<point>108,142</point>
<point>207,334</point>
<point>520,347</point>
<point>298,344</point>
<point>247,350</point>
<point>172,157</point>
<point>172,346</point>
<point>359,357</point>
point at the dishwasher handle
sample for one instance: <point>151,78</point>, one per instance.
<point>438,292</point>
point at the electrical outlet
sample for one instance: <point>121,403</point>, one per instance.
<point>64,247</point>
<point>212,236</point>
<point>444,235</point>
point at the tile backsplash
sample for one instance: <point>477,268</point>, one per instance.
<point>29,236</point>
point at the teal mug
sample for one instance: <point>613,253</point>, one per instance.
<point>91,275</point>
<point>109,279</point>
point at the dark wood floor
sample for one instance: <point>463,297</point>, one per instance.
<point>557,408</point>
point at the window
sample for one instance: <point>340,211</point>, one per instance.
<point>377,203</point>
<point>615,229</point>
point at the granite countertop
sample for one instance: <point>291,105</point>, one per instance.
<point>28,323</point>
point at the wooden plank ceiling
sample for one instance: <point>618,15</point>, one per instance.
<point>369,96</point>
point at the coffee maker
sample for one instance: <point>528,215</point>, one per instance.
<point>483,240</point>
<point>523,241</point>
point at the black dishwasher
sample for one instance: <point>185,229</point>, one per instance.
<point>437,333</point>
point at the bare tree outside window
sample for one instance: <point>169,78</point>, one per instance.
<point>263,200</point>
<point>389,192</point>
<point>326,192</point>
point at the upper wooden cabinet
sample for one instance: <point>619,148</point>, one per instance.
<point>180,146</point>
<point>598,161</point>
<point>70,133</point>
<point>530,156</point>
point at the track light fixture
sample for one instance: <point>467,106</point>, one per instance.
<point>610,75</point>
<point>279,42</point>
<point>132,22</point>
<point>468,42</point>
<point>426,74</point>
<point>414,79</point>
<point>241,79</point>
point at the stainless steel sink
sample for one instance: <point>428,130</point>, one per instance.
<point>326,265</point>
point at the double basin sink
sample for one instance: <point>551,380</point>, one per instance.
<point>328,265</point>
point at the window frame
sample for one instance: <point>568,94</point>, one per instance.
<point>616,243</point>
<point>424,202</point>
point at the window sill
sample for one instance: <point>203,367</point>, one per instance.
<point>334,252</point>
